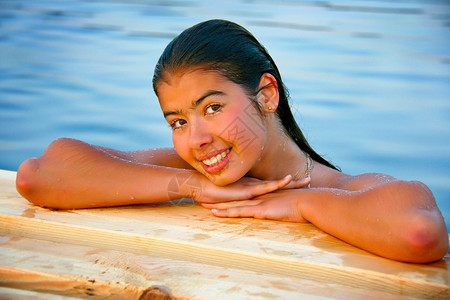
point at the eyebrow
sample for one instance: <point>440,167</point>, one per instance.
<point>195,103</point>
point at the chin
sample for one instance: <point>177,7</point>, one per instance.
<point>223,179</point>
<point>220,181</point>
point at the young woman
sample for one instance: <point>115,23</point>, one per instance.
<point>240,153</point>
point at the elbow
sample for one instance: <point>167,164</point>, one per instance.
<point>34,188</point>
<point>425,234</point>
<point>49,180</point>
<point>27,179</point>
<point>426,238</point>
<point>33,181</point>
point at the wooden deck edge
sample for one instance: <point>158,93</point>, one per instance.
<point>224,257</point>
<point>80,287</point>
<point>8,175</point>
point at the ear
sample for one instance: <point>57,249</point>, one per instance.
<point>268,96</point>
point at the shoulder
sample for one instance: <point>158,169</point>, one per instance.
<point>323,176</point>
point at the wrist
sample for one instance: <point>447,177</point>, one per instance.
<point>304,204</point>
<point>186,184</point>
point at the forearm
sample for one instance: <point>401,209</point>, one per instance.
<point>397,220</point>
<point>78,175</point>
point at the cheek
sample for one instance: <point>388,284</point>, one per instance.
<point>246,130</point>
<point>180,146</point>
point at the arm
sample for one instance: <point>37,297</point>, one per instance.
<point>388,217</point>
<point>72,174</point>
<point>392,218</point>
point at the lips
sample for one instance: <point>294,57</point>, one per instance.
<point>216,159</point>
<point>213,163</point>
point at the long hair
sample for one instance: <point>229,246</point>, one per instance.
<point>232,50</point>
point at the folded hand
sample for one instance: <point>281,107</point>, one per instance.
<point>244,189</point>
<point>281,205</point>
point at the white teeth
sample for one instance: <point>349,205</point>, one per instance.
<point>216,159</point>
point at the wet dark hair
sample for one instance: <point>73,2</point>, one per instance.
<point>229,48</point>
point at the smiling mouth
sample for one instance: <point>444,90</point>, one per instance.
<point>216,159</point>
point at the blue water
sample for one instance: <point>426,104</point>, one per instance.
<point>369,80</point>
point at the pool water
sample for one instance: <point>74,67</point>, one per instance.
<point>369,80</point>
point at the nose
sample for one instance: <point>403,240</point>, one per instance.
<point>199,135</point>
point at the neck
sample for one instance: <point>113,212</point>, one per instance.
<point>281,156</point>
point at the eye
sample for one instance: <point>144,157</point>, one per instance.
<point>213,108</point>
<point>177,124</point>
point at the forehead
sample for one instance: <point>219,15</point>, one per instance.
<point>192,78</point>
<point>181,88</point>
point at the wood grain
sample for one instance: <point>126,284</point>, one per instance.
<point>188,278</point>
<point>77,286</point>
<point>207,254</point>
<point>234,257</point>
<point>66,285</point>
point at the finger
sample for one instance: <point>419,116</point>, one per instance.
<point>225,205</point>
<point>304,182</point>
<point>236,212</point>
<point>270,186</point>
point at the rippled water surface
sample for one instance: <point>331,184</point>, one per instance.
<point>369,80</point>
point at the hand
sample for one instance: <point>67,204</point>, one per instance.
<point>243,189</point>
<point>281,205</point>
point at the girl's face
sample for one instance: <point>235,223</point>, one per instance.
<point>216,128</point>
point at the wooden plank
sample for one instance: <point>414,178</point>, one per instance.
<point>188,222</point>
<point>303,251</point>
<point>179,276</point>
<point>175,249</point>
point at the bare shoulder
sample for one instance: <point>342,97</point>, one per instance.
<point>323,176</point>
